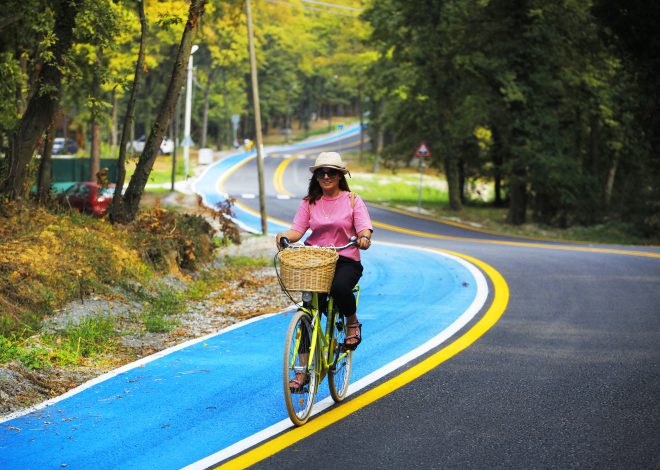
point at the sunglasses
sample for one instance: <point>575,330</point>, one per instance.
<point>321,172</point>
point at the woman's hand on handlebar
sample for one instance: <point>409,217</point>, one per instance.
<point>290,236</point>
<point>364,239</point>
<point>279,239</point>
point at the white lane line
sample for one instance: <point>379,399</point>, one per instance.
<point>474,308</point>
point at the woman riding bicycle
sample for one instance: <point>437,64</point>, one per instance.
<point>334,215</point>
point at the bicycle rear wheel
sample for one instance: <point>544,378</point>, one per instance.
<point>339,375</point>
<point>299,399</point>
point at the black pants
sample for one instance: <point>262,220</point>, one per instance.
<point>347,274</point>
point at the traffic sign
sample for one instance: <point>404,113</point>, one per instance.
<point>423,150</point>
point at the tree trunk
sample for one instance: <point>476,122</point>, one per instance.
<point>453,183</point>
<point>159,127</point>
<point>43,188</point>
<point>379,150</point>
<point>42,106</point>
<point>461,181</point>
<point>379,132</point>
<point>609,184</point>
<point>113,131</point>
<point>20,96</point>
<point>361,112</point>
<point>594,145</point>
<point>95,148</point>
<point>117,210</point>
<point>518,201</point>
<point>498,160</point>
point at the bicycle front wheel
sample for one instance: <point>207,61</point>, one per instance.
<point>300,375</point>
<point>339,375</point>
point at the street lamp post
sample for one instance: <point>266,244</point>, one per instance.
<point>257,122</point>
<point>187,140</point>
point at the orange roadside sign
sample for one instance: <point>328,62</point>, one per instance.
<point>423,150</point>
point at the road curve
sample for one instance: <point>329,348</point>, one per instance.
<point>569,376</point>
<point>128,418</point>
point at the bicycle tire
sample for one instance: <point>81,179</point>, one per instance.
<point>339,376</point>
<point>299,405</point>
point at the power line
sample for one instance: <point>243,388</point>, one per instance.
<point>280,2</point>
<point>332,5</point>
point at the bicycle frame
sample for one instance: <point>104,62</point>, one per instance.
<point>323,340</point>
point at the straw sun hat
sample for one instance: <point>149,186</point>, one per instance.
<point>329,160</point>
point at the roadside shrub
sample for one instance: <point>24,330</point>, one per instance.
<point>168,238</point>
<point>12,349</point>
<point>92,336</point>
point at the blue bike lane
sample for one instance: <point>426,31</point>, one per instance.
<point>212,396</point>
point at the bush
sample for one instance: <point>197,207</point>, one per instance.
<point>169,238</point>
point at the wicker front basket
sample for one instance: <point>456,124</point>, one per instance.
<point>307,269</point>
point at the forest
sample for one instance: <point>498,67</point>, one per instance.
<point>553,103</point>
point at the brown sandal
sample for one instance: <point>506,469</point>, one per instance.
<point>298,382</point>
<point>356,336</point>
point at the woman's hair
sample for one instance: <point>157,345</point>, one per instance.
<point>314,192</point>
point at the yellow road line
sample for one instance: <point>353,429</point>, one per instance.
<point>443,220</point>
<point>500,301</point>
<point>394,228</point>
<point>278,179</point>
<point>221,181</point>
<point>589,249</point>
<point>258,214</point>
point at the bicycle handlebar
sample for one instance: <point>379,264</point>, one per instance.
<point>284,243</point>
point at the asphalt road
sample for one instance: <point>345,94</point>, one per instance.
<point>569,376</point>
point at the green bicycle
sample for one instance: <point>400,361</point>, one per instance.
<point>314,347</point>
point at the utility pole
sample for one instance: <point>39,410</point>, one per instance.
<point>187,140</point>
<point>175,137</point>
<point>257,122</point>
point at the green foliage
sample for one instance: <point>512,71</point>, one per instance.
<point>543,78</point>
<point>166,302</point>
<point>161,307</point>
<point>245,261</point>
<point>13,349</point>
<point>567,90</point>
<point>92,336</point>
<point>156,323</point>
<point>10,79</point>
<point>166,20</point>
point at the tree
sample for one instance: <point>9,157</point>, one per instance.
<point>536,75</point>
<point>117,211</point>
<point>131,198</point>
<point>43,103</point>
<point>632,186</point>
<point>425,86</point>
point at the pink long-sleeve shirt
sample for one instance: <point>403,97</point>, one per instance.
<point>333,222</point>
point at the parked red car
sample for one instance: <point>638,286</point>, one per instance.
<point>88,197</point>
